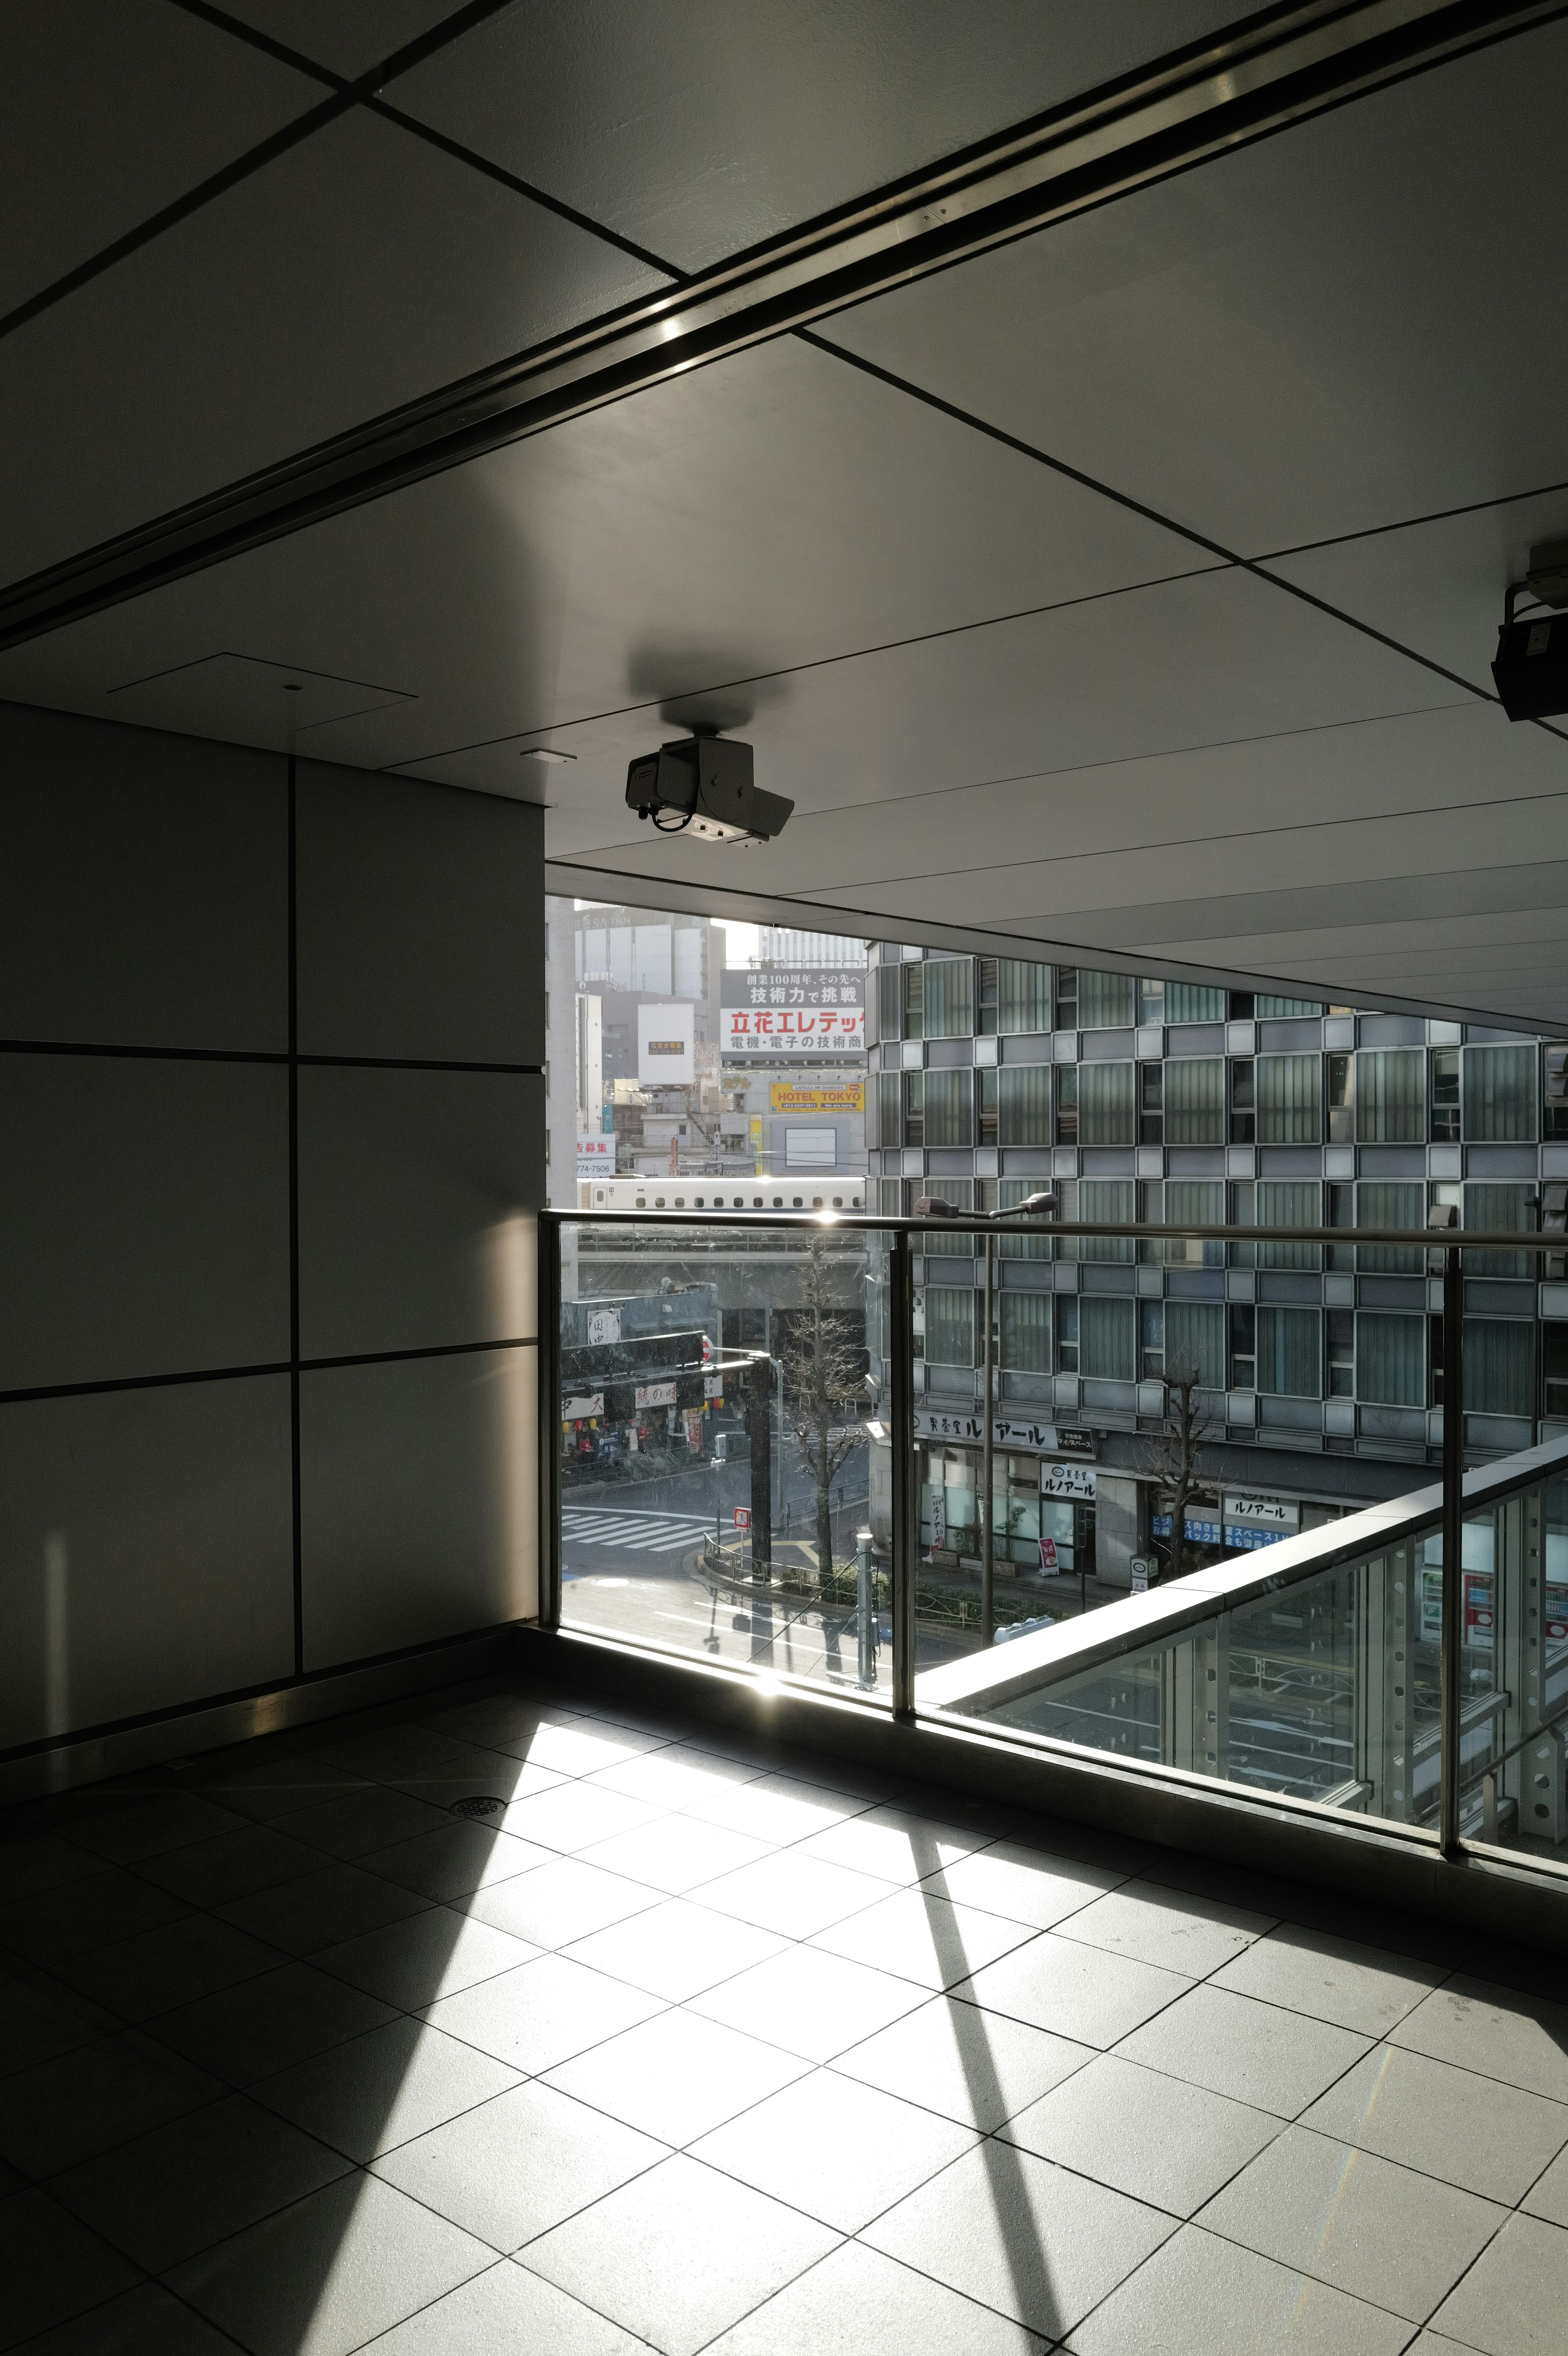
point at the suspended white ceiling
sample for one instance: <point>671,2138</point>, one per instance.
<point>1131,587</point>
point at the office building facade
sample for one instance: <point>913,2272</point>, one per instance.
<point>1134,1100</point>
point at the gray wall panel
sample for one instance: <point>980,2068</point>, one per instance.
<point>143,887</point>
<point>143,1217</point>
<point>146,1551</point>
<point>421,914</point>
<point>418,1485</point>
<point>416,1196</point>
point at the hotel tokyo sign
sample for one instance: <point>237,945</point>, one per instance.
<point>789,1011</point>
<point>797,1096</point>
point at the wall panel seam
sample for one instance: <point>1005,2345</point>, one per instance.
<point>280,1056</point>
<point>262,1367</point>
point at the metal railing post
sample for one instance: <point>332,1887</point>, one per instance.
<point>987,1555</point>
<point>865,1613</point>
<point>905,1504</point>
<point>1452,1548</point>
<point>548,1354</point>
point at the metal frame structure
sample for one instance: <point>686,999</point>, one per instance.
<point>1322,1550</point>
<point>1277,68</point>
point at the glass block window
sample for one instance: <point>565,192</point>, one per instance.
<point>949,1327</point>
<point>887,1002</point>
<point>1027,1332</point>
<point>886,1127</point>
<point>1194,1342</point>
<point>950,1109</point>
<point>1293,1203</point>
<point>1106,1002</point>
<point>1391,1096</point>
<point>1195,1100</point>
<point>950,998</point>
<point>1023,995</point>
<point>1199,1202</point>
<point>1283,1010</point>
<point>1106,1112</point>
<point>1288,1089</point>
<point>1010,1193</point>
<point>1385,1205</point>
<point>1024,1104</point>
<point>1290,1353</point>
<point>1501,1208</point>
<point>1112,1201</point>
<point>1107,1339</point>
<point>1500,1367</point>
<point>1391,1359</point>
<point>1499,1092</point>
<point>1191,1001</point>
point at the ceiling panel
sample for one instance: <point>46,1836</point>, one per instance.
<point>1311,805</point>
<point>1437,585</point>
<point>358,270</point>
<point>775,510</point>
<point>698,128</point>
<point>1351,324</point>
<point>151,103</point>
<point>1213,660</point>
<point>349,36</point>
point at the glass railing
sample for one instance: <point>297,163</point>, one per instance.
<point>936,1464</point>
<point>1313,1670</point>
<point>712,1451</point>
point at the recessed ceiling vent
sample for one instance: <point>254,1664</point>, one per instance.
<point>243,700</point>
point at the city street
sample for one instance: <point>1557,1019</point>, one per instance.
<point>632,1554</point>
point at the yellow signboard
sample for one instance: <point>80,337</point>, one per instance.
<point>790,1096</point>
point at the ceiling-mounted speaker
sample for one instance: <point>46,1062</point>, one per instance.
<point>1531,670</point>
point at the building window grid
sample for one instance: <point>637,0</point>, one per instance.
<point>1488,1092</point>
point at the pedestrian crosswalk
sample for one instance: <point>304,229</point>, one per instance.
<point>631,1532</point>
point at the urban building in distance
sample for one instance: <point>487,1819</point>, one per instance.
<point>667,1062</point>
<point>1136,1100</point>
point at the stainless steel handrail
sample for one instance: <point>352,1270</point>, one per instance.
<point>1443,1248</point>
<point>1428,1240</point>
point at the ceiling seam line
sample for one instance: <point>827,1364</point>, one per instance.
<point>1137,507</point>
<point>253,37</point>
<point>1409,523</point>
<point>818,662</point>
<point>1191,841</point>
<point>329,110</point>
<point>1534,12</point>
<point>1133,851</point>
<point>1122,760</point>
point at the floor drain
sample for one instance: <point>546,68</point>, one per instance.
<point>481,1805</point>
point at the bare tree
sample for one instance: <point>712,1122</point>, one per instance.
<point>824,1363</point>
<point>1172,1458</point>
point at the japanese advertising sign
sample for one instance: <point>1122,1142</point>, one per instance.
<point>789,1011</point>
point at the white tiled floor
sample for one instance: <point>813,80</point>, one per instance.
<point>698,2048</point>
